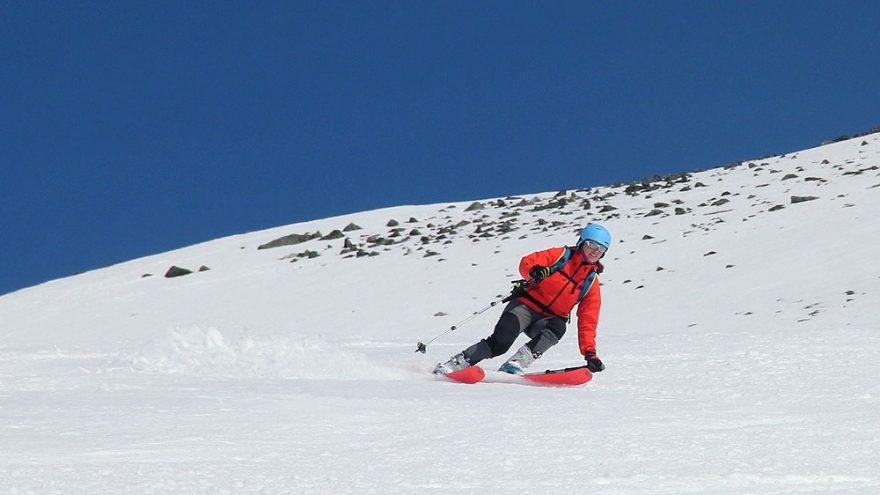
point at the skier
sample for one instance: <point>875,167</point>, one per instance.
<point>558,280</point>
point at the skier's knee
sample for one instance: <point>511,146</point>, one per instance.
<point>557,327</point>
<point>506,332</point>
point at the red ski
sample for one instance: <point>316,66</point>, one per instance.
<point>564,377</point>
<point>567,377</point>
<point>473,374</point>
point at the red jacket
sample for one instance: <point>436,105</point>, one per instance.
<point>558,294</point>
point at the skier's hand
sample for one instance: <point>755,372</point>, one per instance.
<point>538,273</point>
<point>594,364</point>
<point>519,288</point>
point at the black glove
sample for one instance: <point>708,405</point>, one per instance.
<point>518,290</point>
<point>538,273</point>
<point>594,364</point>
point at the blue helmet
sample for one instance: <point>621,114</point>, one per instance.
<point>595,232</point>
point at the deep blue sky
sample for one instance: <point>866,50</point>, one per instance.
<point>132,128</point>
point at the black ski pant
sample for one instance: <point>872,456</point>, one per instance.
<point>517,318</point>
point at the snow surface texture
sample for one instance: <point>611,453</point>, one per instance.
<point>741,341</point>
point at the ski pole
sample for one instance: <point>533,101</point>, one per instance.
<point>518,289</point>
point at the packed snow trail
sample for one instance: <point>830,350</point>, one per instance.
<point>739,329</point>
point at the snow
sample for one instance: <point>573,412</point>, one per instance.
<point>741,346</point>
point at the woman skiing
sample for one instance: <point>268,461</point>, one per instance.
<point>558,280</point>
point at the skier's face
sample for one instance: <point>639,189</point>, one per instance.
<point>593,251</point>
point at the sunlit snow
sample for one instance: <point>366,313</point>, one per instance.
<point>742,343</point>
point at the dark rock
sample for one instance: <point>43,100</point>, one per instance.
<point>557,203</point>
<point>204,268</point>
<point>449,229</point>
<point>350,227</point>
<point>379,241</point>
<point>680,211</point>
<point>776,208</point>
<point>506,227</point>
<point>476,205</point>
<point>633,189</point>
<point>710,253</point>
<point>721,202</point>
<point>392,223</point>
<point>789,176</point>
<point>176,271</point>
<point>290,240</point>
<point>654,213</point>
<point>802,199</point>
<point>336,234</point>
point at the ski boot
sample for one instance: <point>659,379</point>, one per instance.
<point>519,361</point>
<point>455,363</point>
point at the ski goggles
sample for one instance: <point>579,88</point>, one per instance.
<point>594,245</point>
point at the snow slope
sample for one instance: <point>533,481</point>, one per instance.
<point>740,334</point>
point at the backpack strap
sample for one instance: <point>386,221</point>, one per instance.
<point>566,255</point>
<point>591,277</point>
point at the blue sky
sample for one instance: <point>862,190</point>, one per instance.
<point>132,128</point>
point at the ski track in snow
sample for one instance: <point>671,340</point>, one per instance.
<point>741,352</point>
